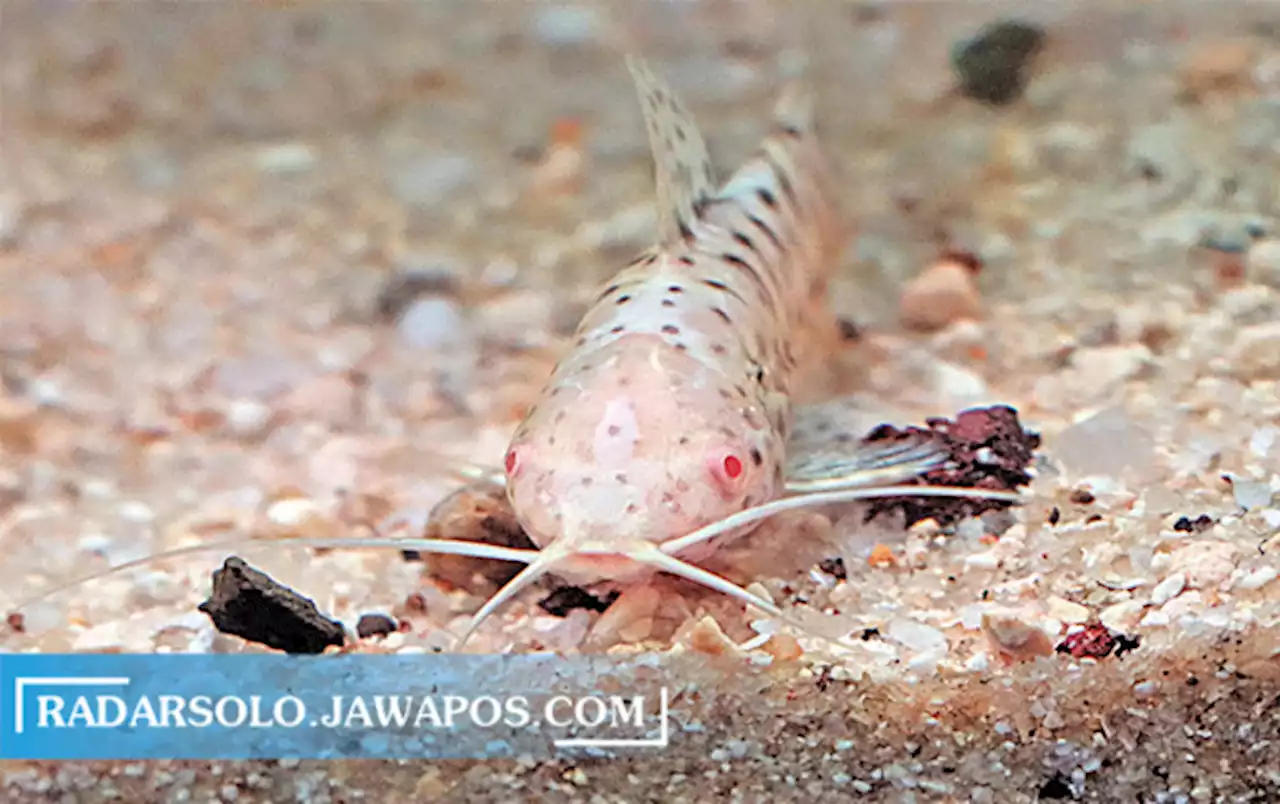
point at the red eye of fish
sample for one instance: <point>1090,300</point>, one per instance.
<point>510,461</point>
<point>732,467</point>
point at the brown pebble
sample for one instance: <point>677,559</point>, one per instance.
<point>944,293</point>
<point>1014,638</point>
<point>783,648</point>
<point>1223,65</point>
<point>249,604</point>
<point>1082,497</point>
<point>371,625</point>
<point>706,637</point>
<point>476,513</point>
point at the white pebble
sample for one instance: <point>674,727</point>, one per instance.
<point>1168,589</point>
<point>1250,493</point>
<point>292,511</point>
<point>247,417</point>
<point>289,157</point>
<point>1258,578</point>
<point>916,636</point>
<point>431,323</point>
<point>1262,440</point>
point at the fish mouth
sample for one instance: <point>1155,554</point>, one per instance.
<point>592,564</point>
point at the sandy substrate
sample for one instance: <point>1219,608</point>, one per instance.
<point>268,272</point>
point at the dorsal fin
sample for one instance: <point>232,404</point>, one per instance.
<point>683,172</point>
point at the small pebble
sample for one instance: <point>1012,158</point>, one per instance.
<point>1066,611</point>
<point>993,66</point>
<point>1258,578</point>
<point>289,157</point>
<point>562,26</point>
<point>1250,494</point>
<point>1014,637</point>
<point>247,418</point>
<point>431,180</point>
<point>916,636</point>
<point>1218,66</point>
<point>1122,617</point>
<point>1204,564</point>
<point>432,323</point>
<point>944,293</point>
<point>375,625</point>
<point>1168,589</point>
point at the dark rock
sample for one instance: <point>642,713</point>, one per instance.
<point>249,604</point>
<point>987,448</point>
<point>992,66</point>
<point>568,598</point>
<point>371,625</point>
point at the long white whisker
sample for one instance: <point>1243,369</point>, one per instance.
<point>439,546</point>
<point>774,507</point>
<point>658,559</point>
<point>547,558</point>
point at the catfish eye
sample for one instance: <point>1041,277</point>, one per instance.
<point>512,461</point>
<point>727,470</point>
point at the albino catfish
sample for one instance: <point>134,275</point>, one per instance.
<point>664,432</point>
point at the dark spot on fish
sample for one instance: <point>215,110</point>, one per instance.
<point>719,349</point>
<point>722,315</point>
<point>756,457</point>
<point>587,481</point>
<point>582,341</point>
<point>614,430</point>
<point>617,329</point>
<point>681,135</point>
<point>760,374</point>
<point>668,302</point>
<point>768,231</point>
<point>682,347</point>
<point>685,231</point>
<point>632,508</point>
<point>790,130</point>
<point>767,198</point>
<point>685,259</point>
<point>745,241</point>
<point>684,440</point>
<point>670,329</point>
<point>620,477</point>
<point>675,289</point>
<point>623,299</point>
<point>712,283</point>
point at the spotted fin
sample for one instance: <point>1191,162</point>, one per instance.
<point>862,466</point>
<point>826,451</point>
<point>684,176</point>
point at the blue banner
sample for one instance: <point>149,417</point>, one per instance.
<point>275,706</point>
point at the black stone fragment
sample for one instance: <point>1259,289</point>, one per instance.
<point>568,598</point>
<point>371,625</point>
<point>249,604</point>
<point>992,66</point>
